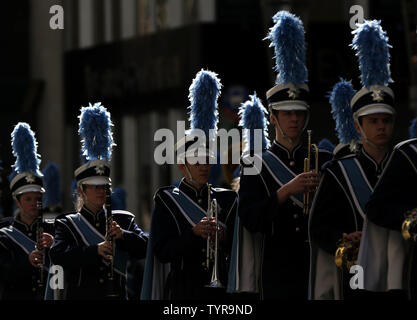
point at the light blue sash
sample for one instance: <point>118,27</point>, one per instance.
<point>27,244</point>
<point>281,173</point>
<point>358,184</point>
<point>191,210</point>
<point>155,273</point>
<point>91,236</point>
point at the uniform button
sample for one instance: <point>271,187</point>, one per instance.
<point>33,289</point>
<point>295,216</point>
<point>292,163</point>
<point>30,234</point>
<point>200,200</point>
<point>97,224</point>
<point>297,229</point>
<point>101,281</point>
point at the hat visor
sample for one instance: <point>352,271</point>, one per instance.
<point>373,109</point>
<point>297,105</point>
<point>29,188</point>
<point>196,155</point>
<point>96,181</point>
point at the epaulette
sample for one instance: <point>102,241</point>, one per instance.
<point>334,161</point>
<point>247,154</point>
<point>224,191</point>
<point>6,221</point>
<point>63,215</point>
<point>49,220</point>
<point>123,212</point>
<point>405,143</point>
<point>325,151</point>
<point>162,189</point>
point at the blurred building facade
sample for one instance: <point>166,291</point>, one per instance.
<point>138,57</point>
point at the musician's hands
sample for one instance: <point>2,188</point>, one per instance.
<point>115,231</point>
<point>354,236</point>
<point>46,240</point>
<point>205,227</point>
<point>36,258</point>
<point>304,182</point>
<point>105,250</point>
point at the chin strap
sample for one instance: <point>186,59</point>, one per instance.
<point>290,140</point>
<point>86,201</point>
<point>190,177</point>
<point>373,145</point>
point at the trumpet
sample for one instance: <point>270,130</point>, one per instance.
<point>346,254</point>
<point>215,281</point>
<point>409,226</point>
<point>209,216</point>
<point>307,168</point>
<point>212,254</point>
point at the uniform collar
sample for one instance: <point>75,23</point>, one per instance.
<point>191,191</point>
<point>91,216</point>
<point>20,225</point>
<point>367,157</point>
<point>281,149</point>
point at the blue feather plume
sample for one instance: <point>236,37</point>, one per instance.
<point>253,116</point>
<point>413,129</point>
<point>52,181</point>
<point>12,175</point>
<point>96,132</point>
<point>372,49</point>
<point>287,38</point>
<point>204,91</point>
<point>25,148</point>
<point>340,98</point>
<point>325,144</point>
<point>118,200</point>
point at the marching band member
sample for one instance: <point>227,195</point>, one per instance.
<point>271,202</point>
<point>387,252</point>
<point>23,245</point>
<point>348,181</point>
<point>93,243</point>
<point>181,258</point>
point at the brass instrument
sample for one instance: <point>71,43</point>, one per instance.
<point>307,168</point>
<point>111,285</point>
<point>215,281</point>
<point>209,215</point>
<point>212,254</point>
<point>346,254</point>
<point>39,232</point>
<point>409,226</point>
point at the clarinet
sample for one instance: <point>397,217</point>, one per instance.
<point>111,285</point>
<point>39,232</point>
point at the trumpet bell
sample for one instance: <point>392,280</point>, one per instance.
<point>409,226</point>
<point>346,255</point>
